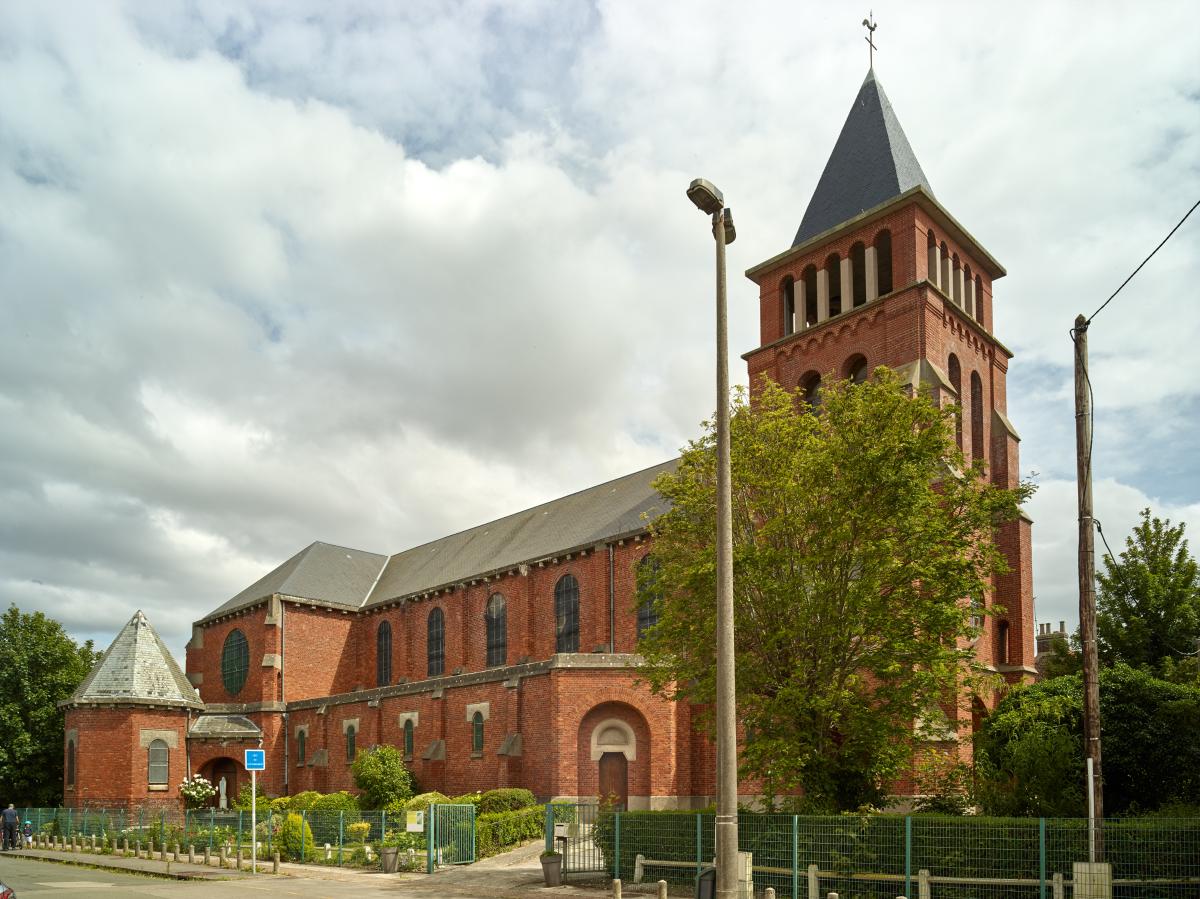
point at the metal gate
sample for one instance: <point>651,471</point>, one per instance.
<point>450,835</point>
<point>571,829</point>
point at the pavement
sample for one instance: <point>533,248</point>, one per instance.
<point>511,875</point>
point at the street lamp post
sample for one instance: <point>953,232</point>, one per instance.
<point>709,200</point>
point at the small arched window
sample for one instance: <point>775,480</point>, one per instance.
<point>160,757</point>
<point>70,763</point>
<point>968,290</point>
<point>351,742</point>
<point>235,662</point>
<point>383,654</point>
<point>497,631</point>
<point>1002,643</point>
<point>301,747</point>
<point>810,390</point>
<point>408,738</point>
<point>932,264</point>
<point>566,614</point>
<point>883,262</point>
<point>956,280</point>
<point>856,368</point>
<point>944,274</point>
<point>979,299</point>
<point>858,274</point>
<point>956,383</point>
<point>788,292</point>
<point>810,295</point>
<point>477,732</point>
<point>435,643</point>
<point>976,416</point>
<point>833,271</point>
<point>649,592</point>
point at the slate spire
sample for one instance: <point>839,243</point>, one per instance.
<point>871,163</point>
<point>137,668</point>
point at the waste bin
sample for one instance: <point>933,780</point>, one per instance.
<point>706,884</point>
<point>389,856</point>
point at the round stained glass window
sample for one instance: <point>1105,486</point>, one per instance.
<point>235,662</point>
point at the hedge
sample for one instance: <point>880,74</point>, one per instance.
<point>498,831</point>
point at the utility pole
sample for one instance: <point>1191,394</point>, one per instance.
<point>1087,589</point>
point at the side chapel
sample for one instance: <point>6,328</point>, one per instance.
<point>506,655</point>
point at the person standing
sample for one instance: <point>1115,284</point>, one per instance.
<point>10,819</point>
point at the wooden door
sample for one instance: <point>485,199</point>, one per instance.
<point>614,777</point>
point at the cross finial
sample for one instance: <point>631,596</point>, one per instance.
<point>871,25</point>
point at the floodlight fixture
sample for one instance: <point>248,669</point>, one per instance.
<point>705,195</point>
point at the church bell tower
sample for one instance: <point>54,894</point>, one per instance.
<point>880,273</point>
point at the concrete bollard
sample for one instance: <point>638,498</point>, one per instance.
<point>191,854</point>
<point>150,849</point>
<point>616,888</point>
<point>162,852</point>
<point>125,846</point>
<point>176,852</point>
<point>207,860</point>
<point>222,857</point>
<point>93,842</point>
<point>275,863</point>
<point>770,893</point>
<point>662,891</point>
<point>832,895</point>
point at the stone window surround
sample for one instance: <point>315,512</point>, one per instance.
<point>402,719</point>
<point>302,729</point>
<point>170,738</point>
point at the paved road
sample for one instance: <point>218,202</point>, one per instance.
<point>502,878</point>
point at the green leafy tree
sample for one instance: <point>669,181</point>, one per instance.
<point>40,666</point>
<point>859,534</point>
<point>381,775</point>
<point>1029,752</point>
<point>1148,602</point>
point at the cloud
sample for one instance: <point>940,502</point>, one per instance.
<point>370,275</point>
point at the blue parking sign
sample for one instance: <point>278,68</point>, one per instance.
<point>256,760</point>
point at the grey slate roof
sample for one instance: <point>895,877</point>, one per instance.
<point>351,578</point>
<point>224,726</point>
<point>332,575</point>
<point>137,668</point>
<point>871,163</point>
<point>581,519</point>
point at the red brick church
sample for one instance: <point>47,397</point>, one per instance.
<point>506,655</point>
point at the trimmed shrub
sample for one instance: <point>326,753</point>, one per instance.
<point>335,802</point>
<point>468,799</point>
<point>421,802</point>
<point>296,839</point>
<point>303,801</point>
<point>497,831</point>
<point>358,831</point>
<point>505,800</point>
<point>381,775</point>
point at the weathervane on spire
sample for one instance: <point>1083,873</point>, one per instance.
<point>871,26</point>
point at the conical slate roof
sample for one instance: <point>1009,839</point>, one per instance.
<point>137,668</point>
<point>871,163</point>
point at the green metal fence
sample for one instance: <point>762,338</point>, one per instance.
<point>881,857</point>
<point>450,834</point>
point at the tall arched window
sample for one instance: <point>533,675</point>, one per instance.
<point>976,416</point>
<point>351,742</point>
<point>788,292</point>
<point>648,592</point>
<point>883,262</point>
<point>833,271</point>
<point>235,662</point>
<point>858,274</point>
<point>944,274</point>
<point>497,631</point>
<point>933,259</point>
<point>979,299</point>
<point>810,389</point>
<point>160,758</point>
<point>968,290</point>
<point>301,747</point>
<point>408,738</point>
<point>956,280</point>
<point>956,383</point>
<point>383,655</point>
<point>856,368</point>
<point>435,642</point>
<point>810,294</point>
<point>477,732</point>
<point>1002,643</point>
<point>70,763</point>
<point>566,614</point>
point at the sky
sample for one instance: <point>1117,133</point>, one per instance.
<point>372,273</point>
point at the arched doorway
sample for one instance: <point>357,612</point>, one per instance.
<point>614,755</point>
<point>224,774</point>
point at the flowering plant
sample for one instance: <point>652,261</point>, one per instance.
<point>196,790</point>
